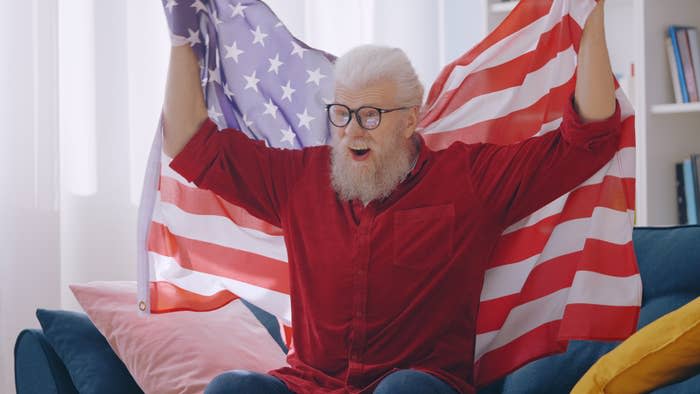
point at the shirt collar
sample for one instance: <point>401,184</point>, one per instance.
<point>421,158</point>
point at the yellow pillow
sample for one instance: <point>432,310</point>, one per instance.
<point>666,350</point>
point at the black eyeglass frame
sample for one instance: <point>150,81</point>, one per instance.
<point>357,114</point>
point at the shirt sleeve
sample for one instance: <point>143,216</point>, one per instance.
<point>515,180</point>
<point>242,171</point>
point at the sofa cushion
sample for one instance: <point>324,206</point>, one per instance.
<point>662,352</point>
<point>38,369</point>
<point>178,352</point>
<point>91,363</point>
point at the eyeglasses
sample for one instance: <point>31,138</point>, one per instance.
<point>367,117</point>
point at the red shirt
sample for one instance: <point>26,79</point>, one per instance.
<point>395,284</point>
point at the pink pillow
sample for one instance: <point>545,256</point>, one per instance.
<point>178,352</point>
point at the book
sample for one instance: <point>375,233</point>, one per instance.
<point>677,93</point>
<point>680,193</point>
<point>694,53</point>
<point>687,61</point>
<point>695,163</point>
<point>679,65</point>
<point>688,183</point>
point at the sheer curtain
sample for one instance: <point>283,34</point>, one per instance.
<point>82,85</point>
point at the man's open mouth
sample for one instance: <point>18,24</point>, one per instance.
<point>359,153</point>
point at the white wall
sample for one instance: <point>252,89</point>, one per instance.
<point>29,220</point>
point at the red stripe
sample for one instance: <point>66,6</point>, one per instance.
<point>511,128</point>
<point>556,274</point>
<point>509,74</point>
<point>167,297</point>
<point>531,240</point>
<point>205,202</point>
<point>599,322</point>
<point>219,260</point>
<point>602,323</point>
<point>528,12</point>
<point>540,342</point>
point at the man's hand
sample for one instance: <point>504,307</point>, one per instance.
<point>595,88</point>
<point>184,109</point>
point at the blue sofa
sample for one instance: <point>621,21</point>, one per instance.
<point>669,262</point>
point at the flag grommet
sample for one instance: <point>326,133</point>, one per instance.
<point>142,306</point>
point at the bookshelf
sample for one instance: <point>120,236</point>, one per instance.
<point>666,132</point>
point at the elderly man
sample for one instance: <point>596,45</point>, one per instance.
<point>387,269</point>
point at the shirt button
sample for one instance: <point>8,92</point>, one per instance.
<point>358,314</point>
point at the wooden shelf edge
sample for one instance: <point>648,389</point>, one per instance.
<point>506,6</point>
<point>675,108</point>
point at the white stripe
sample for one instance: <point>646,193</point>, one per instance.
<point>568,237</point>
<point>521,320</point>
<point>536,85</point>
<point>218,230</point>
<point>620,166</point>
<point>608,291</point>
<point>164,268</point>
<point>596,288</point>
<point>511,47</point>
<point>165,170</point>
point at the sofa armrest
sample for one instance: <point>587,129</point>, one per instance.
<point>38,369</point>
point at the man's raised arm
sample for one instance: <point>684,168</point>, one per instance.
<point>595,89</point>
<point>184,109</point>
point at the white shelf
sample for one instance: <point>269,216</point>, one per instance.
<point>675,108</point>
<point>506,6</point>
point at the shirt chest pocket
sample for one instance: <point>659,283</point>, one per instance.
<point>423,236</point>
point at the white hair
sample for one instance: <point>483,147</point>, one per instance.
<point>367,64</point>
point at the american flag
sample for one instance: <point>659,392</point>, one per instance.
<point>567,271</point>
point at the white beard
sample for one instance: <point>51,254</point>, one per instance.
<point>374,178</point>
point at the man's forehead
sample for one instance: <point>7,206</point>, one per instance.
<point>377,94</point>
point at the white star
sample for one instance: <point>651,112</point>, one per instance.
<point>238,9</point>
<point>215,18</point>
<point>298,50</point>
<point>170,5</point>
<point>228,92</point>
<point>214,114</point>
<point>270,108</point>
<point>279,24</point>
<point>193,38</point>
<point>251,82</point>
<point>232,52</point>
<point>288,135</point>
<point>275,64</point>
<point>199,6</point>
<point>214,76</point>
<point>287,91</point>
<point>258,36</point>
<point>305,119</point>
<point>326,100</point>
<point>315,76</point>
<point>247,122</point>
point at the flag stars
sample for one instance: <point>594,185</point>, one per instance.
<point>214,76</point>
<point>228,92</point>
<point>199,6</point>
<point>315,76</point>
<point>246,121</point>
<point>298,50</point>
<point>232,52</point>
<point>288,135</point>
<point>214,114</point>
<point>275,64</point>
<point>170,5</point>
<point>287,91</point>
<point>251,82</point>
<point>305,119</point>
<point>237,9</point>
<point>270,108</point>
<point>258,36</point>
<point>215,18</point>
<point>193,37</point>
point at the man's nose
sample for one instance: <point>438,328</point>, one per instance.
<point>353,129</point>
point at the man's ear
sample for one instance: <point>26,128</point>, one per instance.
<point>411,121</point>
